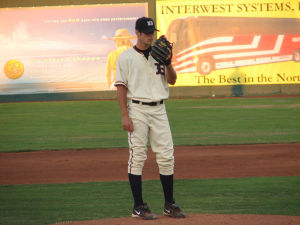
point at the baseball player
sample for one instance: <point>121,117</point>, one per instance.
<point>142,88</point>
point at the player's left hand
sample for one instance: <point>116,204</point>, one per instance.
<point>161,51</point>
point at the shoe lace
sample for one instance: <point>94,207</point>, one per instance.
<point>175,208</point>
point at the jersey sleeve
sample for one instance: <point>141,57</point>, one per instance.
<point>122,71</point>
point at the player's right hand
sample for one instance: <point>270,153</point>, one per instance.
<point>127,124</point>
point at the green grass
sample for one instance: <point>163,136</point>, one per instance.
<point>97,124</point>
<point>235,121</point>
<point>60,125</point>
<point>45,204</point>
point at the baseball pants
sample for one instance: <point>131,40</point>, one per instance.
<point>150,122</point>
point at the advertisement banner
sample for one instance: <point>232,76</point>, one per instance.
<point>64,48</point>
<point>232,42</point>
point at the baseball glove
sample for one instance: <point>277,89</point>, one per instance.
<point>161,51</point>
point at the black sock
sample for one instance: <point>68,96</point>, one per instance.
<point>167,184</point>
<point>136,188</point>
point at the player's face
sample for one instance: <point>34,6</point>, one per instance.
<point>145,40</point>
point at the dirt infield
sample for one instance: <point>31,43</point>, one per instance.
<point>111,164</point>
<point>190,162</point>
<point>198,219</point>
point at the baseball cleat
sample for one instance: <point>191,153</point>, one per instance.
<point>143,212</point>
<point>173,210</point>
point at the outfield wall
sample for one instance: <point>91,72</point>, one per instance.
<point>175,92</point>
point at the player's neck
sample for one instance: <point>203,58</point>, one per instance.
<point>142,46</point>
<point>144,52</point>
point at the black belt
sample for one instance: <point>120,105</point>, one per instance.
<point>148,103</point>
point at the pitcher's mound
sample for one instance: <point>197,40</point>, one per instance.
<point>198,219</point>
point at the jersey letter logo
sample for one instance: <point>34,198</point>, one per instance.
<point>150,23</point>
<point>160,69</point>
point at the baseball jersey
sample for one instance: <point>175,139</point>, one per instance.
<point>145,79</point>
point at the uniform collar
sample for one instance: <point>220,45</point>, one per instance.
<point>144,52</point>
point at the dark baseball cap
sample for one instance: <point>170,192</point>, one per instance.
<point>145,25</point>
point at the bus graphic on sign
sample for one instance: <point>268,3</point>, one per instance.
<point>205,44</point>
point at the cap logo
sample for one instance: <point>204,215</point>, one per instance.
<point>150,23</point>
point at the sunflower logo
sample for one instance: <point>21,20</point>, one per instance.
<point>14,69</point>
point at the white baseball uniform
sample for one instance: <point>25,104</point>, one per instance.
<point>146,82</point>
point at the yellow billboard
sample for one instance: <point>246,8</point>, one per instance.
<point>232,42</point>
